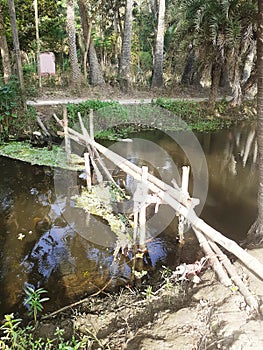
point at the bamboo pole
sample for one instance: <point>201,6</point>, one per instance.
<point>213,259</point>
<point>249,298</point>
<point>168,196</point>
<point>42,126</point>
<point>88,172</point>
<point>142,212</point>
<point>94,151</point>
<point>184,191</point>
<point>185,179</point>
<point>90,150</point>
<point>91,124</point>
<point>66,135</point>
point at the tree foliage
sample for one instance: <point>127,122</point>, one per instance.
<point>221,32</point>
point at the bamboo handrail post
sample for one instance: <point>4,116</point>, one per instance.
<point>66,133</point>
<point>88,171</point>
<point>91,125</point>
<point>142,213</point>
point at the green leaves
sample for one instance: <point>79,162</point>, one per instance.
<point>34,300</point>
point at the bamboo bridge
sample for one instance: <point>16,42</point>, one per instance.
<point>151,190</point>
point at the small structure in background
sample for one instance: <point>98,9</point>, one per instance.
<point>47,63</point>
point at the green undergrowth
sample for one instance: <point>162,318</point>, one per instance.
<point>15,336</point>
<point>197,115</point>
<point>113,121</point>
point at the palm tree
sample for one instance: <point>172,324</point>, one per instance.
<point>221,31</point>
<point>12,13</point>
<point>4,49</point>
<point>157,78</point>
<point>96,77</point>
<point>124,67</point>
<point>255,234</point>
<point>73,57</point>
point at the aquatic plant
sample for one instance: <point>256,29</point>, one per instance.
<point>99,201</point>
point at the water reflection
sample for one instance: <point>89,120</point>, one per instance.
<point>40,242</point>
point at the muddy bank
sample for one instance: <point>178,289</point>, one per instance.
<point>178,316</point>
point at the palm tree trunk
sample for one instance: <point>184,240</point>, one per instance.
<point>255,234</point>
<point>73,57</point>
<point>125,59</point>
<point>237,92</point>
<point>4,50</point>
<point>86,29</point>
<point>12,13</point>
<point>96,77</point>
<point>157,78</point>
<point>215,77</point>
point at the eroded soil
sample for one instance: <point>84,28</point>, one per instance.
<point>178,316</point>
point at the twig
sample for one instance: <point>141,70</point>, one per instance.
<point>64,308</point>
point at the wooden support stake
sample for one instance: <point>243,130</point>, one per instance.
<point>185,179</point>
<point>142,212</point>
<point>135,224</point>
<point>91,125</point>
<point>88,172</point>
<point>66,134</point>
<point>184,190</point>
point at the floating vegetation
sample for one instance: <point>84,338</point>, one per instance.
<point>55,157</point>
<point>100,201</point>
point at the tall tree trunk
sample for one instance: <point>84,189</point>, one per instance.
<point>38,43</point>
<point>4,50</point>
<point>12,13</point>
<point>190,75</point>
<point>125,59</point>
<point>86,29</point>
<point>73,57</point>
<point>96,77</point>
<point>236,89</point>
<point>255,234</point>
<point>249,63</point>
<point>215,77</point>
<point>157,78</point>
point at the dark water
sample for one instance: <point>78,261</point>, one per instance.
<point>42,242</point>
